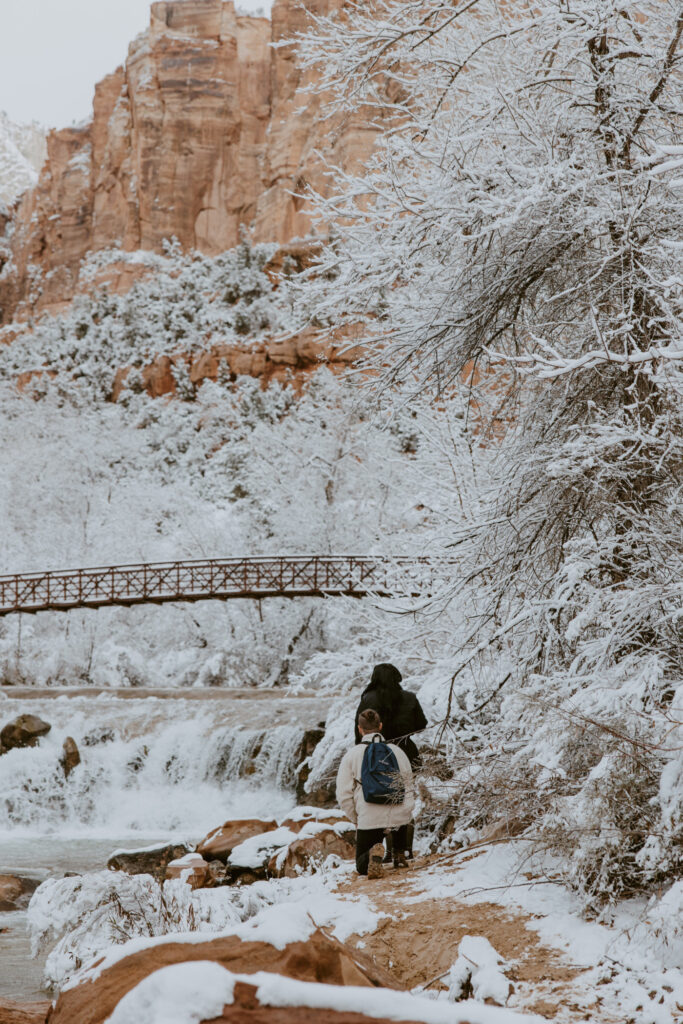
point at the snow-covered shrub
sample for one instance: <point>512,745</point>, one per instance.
<point>84,915</point>
<point>185,303</point>
<point>604,828</point>
<point>92,913</point>
<point>665,922</point>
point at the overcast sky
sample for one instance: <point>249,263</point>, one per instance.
<point>52,52</point>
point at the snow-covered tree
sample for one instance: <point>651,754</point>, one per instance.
<point>518,231</point>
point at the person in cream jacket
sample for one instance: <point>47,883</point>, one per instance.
<point>374,821</point>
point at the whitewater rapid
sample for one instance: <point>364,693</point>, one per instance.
<point>152,765</point>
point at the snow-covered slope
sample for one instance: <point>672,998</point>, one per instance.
<point>22,154</point>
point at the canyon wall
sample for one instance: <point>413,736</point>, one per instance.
<point>205,129</point>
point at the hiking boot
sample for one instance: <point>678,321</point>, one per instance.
<point>400,860</point>
<point>375,869</point>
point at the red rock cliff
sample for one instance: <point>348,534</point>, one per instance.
<point>206,128</point>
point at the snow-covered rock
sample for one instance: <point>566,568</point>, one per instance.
<point>191,869</point>
<point>153,860</point>
<point>22,154</point>
<point>221,841</point>
<point>478,968</point>
<point>188,993</point>
<point>310,848</point>
<point>187,966</point>
<point>181,994</point>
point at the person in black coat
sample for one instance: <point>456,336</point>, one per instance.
<point>400,710</point>
<point>401,715</point>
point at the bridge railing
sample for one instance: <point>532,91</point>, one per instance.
<point>218,578</point>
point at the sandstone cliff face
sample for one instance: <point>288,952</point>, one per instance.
<point>206,128</point>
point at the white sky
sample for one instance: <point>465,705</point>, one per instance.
<point>52,52</point>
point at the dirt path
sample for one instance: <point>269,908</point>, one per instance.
<point>419,942</point>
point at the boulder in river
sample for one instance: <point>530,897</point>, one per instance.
<point>70,756</point>
<point>191,868</point>
<point>309,850</point>
<point>15,892</point>
<point>322,795</point>
<point>152,860</point>
<point>221,841</point>
<point>319,959</point>
<point>24,731</point>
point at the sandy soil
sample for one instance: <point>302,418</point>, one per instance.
<point>418,943</point>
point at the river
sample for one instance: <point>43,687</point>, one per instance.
<point>156,766</point>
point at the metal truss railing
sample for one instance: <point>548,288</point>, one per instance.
<point>219,578</point>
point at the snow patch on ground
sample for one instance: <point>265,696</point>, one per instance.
<point>631,957</point>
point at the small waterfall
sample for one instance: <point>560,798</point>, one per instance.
<point>147,766</point>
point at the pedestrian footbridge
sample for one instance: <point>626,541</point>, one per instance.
<point>220,579</point>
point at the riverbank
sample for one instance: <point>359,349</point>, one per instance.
<point>477,926</point>
<point>191,693</point>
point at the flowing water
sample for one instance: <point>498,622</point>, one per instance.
<point>154,767</point>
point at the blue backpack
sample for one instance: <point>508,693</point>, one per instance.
<point>380,774</point>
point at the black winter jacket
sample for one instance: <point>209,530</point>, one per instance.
<point>400,710</point>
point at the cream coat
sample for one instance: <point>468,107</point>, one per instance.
<point>350,791</point>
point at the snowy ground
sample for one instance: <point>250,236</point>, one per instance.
<point>483,924</point>
<point>626,968</point>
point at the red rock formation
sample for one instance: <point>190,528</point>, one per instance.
<point>320,959</point>
<point>274,359</point>
<point>302,853</point>
<point>23,1013</point>
<point>221,841</point>
<point>191,869</point>
<point>206,128</point>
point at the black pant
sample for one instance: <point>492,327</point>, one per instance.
<point>366,839</point>
<point>399,840</point>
